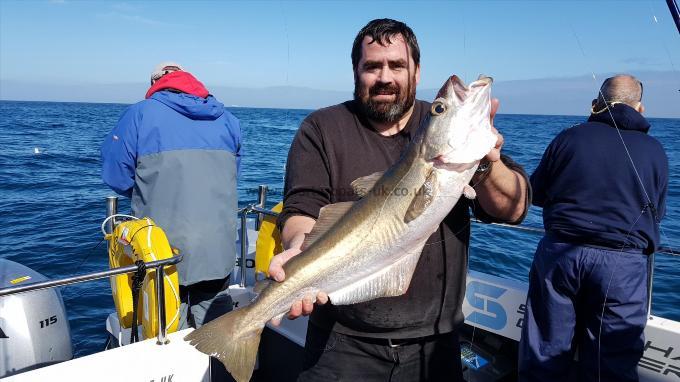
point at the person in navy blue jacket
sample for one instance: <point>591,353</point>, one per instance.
<point>176,154</point>
<point>602,185</point>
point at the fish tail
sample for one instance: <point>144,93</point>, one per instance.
<point>228,339</point>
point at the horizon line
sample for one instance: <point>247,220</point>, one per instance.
<point>286,108</point>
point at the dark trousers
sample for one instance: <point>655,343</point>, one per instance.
<point>331,356</point>
<point>201,303</point>
<point>567,288</point>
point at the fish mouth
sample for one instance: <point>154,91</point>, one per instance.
<point>453,85</point>
<point>440,162</point>
<point>456,86</point>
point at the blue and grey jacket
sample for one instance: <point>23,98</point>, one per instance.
<point>177,156</point>
<point>589,190</point>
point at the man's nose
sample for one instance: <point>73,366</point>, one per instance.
<point>386,76</point>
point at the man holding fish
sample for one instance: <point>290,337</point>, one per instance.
<point>372,224</point>
<point>411,336</point>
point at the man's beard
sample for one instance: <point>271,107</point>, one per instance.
<point>381,111</point>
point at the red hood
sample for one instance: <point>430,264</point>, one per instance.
<point>180,80</point>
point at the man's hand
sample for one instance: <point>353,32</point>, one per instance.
<point>276,265</point>
<point>495,154</point>
<point>502,192</point>
<point>299,308</point>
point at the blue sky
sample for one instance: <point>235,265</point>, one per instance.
<point>278,43</point>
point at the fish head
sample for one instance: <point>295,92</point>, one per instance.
<point>459,129</point>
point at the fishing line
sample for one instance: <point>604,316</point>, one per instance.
<point>604,301</point>
<point>99,243</point>
<point>285,32</point>
<point>418,136</point>
<point>663,43</point>
<point>91,251</point>
<point>468,224</point>
<point>465,58</point>
<point>670,60</point>
<point>607,105</point>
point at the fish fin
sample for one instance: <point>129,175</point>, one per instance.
<point>391,281</point>
<point>469,192</point>
<point>223,339</point>
<point>327,217</point>
<point>423,198</point>
<point>362,186</point>
<point>261,285</point>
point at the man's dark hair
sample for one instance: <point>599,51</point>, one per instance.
<point>380,31</point>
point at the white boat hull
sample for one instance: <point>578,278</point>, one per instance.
<point>492,304</point>
<point>141,361</point>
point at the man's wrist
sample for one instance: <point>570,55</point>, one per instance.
<point>483,171</point>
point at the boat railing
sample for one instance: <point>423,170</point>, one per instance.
<point>260,211</point>
<point>159,265</point>
<point>664,250</point>
<point>257,210</point>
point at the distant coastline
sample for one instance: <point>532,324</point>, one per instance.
<point>546,96</point>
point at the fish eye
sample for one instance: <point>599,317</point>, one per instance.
<point>438,108</point>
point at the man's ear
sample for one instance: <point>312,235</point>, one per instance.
<point>640,108</point>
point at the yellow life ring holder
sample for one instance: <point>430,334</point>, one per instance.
<point>142,239</point>
<point>268,242</point>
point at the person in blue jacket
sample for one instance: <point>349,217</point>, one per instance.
<point>176,154</point>
<point>602,185</point>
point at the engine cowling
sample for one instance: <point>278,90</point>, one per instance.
<point>34,328</point>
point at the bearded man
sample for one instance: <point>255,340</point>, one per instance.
<point>412,337</point>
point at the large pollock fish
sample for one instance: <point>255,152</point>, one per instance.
<point>369,249</point>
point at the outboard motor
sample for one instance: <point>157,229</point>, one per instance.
<point>34,329</point>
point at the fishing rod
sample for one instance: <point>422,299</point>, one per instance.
<point>673,7</point>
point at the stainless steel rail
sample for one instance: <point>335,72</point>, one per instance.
<point>111,209</point>
<point>160,307</point>
<point>650,283</point>
<point>243,215</point>
<point>261,202</point>
<point>665,250</point>
<point>263,211</point>
<point>160,286</point>
<point>244,246</point>
<point>260,211</point>
<point>244,212</point>
<point>86,277</point>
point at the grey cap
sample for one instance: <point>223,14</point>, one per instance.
<point>164,68</point>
